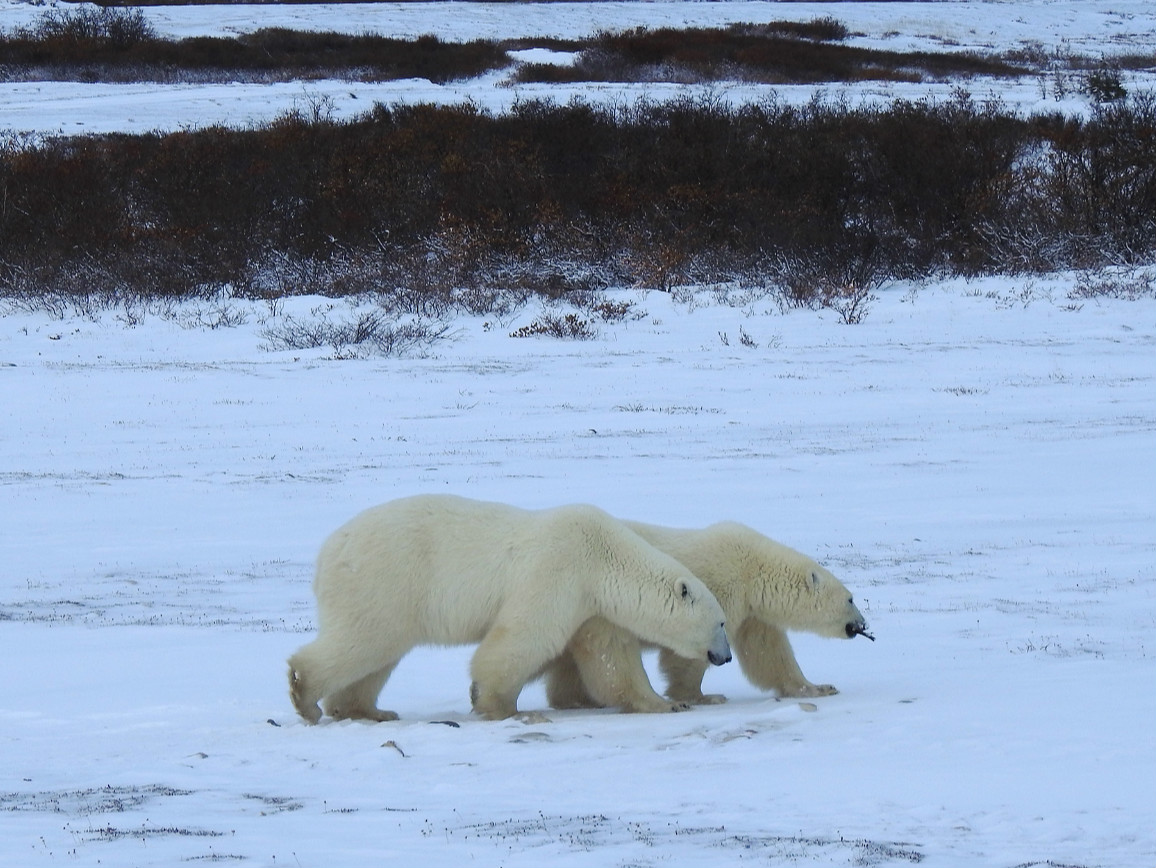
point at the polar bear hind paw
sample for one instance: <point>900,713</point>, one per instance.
<point>532,718</point>
<point>373,715</point>
<point>308,710</point>
<point>490,705</point>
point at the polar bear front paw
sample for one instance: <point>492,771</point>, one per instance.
<point>656,706</point>
<point>809,690</point>
<point>697,699</point>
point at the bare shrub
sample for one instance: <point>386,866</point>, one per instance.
<point>660,265</point>
<point>844,282</point>
<point>216,312</point>
<point>281,274</point>
<point>1105,85</point>
<point>118,26</point>
<point>1082,193</point>
<point>370,332</point>
<point>1129,284</point>
<point>616,311</point>
<point>824,28</point>
<point>569,326</point>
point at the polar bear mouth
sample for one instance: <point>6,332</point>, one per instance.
<point>858,628</point>
<point>718,659</point>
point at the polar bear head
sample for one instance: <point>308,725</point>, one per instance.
<point>692,600</point>
<point>829,608</point>
<point>676,610</point>
<point>789,590</point>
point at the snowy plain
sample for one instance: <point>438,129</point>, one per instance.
<point>974,459</point>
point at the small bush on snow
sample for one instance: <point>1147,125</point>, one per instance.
<point>366,333</point>
<point>570,326</point>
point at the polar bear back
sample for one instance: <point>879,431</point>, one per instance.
<point>443,566</point>
<point>752,574</point>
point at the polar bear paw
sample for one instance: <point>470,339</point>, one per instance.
<point>809,690</point>
<point>688,699</point>
<point>532,718</point>
<point>711,699</point>
<point>310,711</point>
<point>373,715</point>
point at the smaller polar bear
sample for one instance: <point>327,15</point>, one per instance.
<point>764,587</point>
<point>444,570</point>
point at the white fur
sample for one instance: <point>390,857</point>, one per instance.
<point>764,587</point>
<point>443,570</point>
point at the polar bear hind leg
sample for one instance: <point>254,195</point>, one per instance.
<point>347,678</point>
<point>565,687</point>
<point>358,701</point>
<point>602,667</point>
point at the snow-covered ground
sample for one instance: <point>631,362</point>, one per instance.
<point>1057,28</point>
<point>974,460</point>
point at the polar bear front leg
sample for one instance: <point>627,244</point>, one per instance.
<point>609,663</point>
<point>767,659</point>
<point>505,661</point>
<point>684,679</point>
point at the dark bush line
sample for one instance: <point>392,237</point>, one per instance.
<point>428,201</point>
<point>778,53</point>
<point>116,44</point>
<point>120,45</point>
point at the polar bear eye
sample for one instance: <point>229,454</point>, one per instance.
<point>685,591</point>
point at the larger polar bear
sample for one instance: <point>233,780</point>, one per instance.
<point>764,587</point>
<point>444,570</point>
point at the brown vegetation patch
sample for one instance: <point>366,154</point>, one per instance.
<point>779,53</point>
<point>120,45</point>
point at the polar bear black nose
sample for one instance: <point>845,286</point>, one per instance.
<point>720,650</point>
<point>858,628</point>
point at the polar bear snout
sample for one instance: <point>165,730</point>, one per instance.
<point>858,628</point>
<point>720,649</point>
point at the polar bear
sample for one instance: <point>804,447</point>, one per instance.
<point>764,587</point>
<point>445,570</point>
